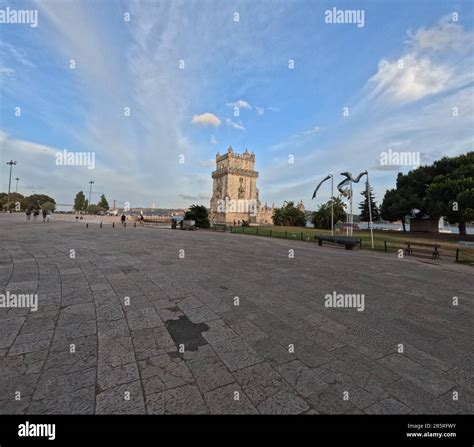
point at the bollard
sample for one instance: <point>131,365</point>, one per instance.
<point>113,224</point>
<point>301,235</point>
<point>286,234</point>
<point>135,225</point>
<point>385,245</point>
<point>125,224</point>
<point>87,225</point>
<point>457,254</point>
<point>270,233</point>
<point>360,241</point>
<point>257,231</point>
<point>101,225</point>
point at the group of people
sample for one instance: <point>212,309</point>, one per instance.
<point>36,212</point>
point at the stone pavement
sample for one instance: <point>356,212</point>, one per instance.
<point>142,320</point>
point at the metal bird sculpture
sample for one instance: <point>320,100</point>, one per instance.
<point>319,185</point>
<point>343,187</point>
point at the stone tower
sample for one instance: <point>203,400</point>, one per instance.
<point>234,189</point>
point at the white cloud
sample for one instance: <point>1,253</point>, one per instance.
<point>206,119</point>
<point>241,104</point>
<point>311,131</point>
<point>418,78</point>
<point>213,140</point>
<point>234,125</point>
<point>443,36</point>
<point>430,64</point>
<point>260,110</point>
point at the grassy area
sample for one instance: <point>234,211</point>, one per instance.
<point>383,240</point>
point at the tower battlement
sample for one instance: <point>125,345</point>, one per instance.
<point>246,155</point>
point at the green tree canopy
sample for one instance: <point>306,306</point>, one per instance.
<point>364,207</point>
<point>80,202</point>
<point>322,217</point>
<point>443,189</point>
<point>289,215</point>
<point>36,201</point>
<point>103,203</point>
<point>49,206</point>
<point>199,214</point>
<point>94,209</point>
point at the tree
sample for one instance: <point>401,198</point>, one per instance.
<point>364,207</point>
<point>94,209</point>
<point>103,203</point>
<point>80,202</point>
<point>36,201</point>
<point>394,207</point>
<point>289,215</point>
<point>444,189</point>
<point>49,206</point>
<point>322,217</point>
<point>199,214</point>
<point>16,202</point>
<point>452,196</point>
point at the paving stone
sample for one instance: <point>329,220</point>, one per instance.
<point>182,400</point>
<point>9,330</point>
<point>163,372</point>
<point>50,386</point>
<point>31,342</point>
<point>433,383</point>
<point>145,318</point>
<point>268,391</point>
<point>236,354</point>
<point>272,351</point>
<point>304,380</point>
<point>122,399</point>
<point>210,374</point>
<point>76,402</point>
<point>224,400</point>
<point>218,331</point>
<point>110,377</point>
<point>200,315</point>
<point>118,351</point>
<point>388,406</point>
<point>29,363</point>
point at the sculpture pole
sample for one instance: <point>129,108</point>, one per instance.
<point>370,212</point>
<point>332,205</point>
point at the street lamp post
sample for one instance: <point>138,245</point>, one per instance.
<point>11,163</point>
<point>16,188</point>
<point>90,191</point>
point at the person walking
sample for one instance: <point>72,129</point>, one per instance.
<point>35,215</point>
<point>28,214</point>
<point>122,219</point>
<point>45,213</point>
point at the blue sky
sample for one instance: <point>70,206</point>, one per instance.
<point>190,111</point>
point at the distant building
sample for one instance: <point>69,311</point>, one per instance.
<point>235,196</point>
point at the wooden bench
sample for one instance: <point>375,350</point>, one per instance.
<point>348,242</point>
<point>434,254</point>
